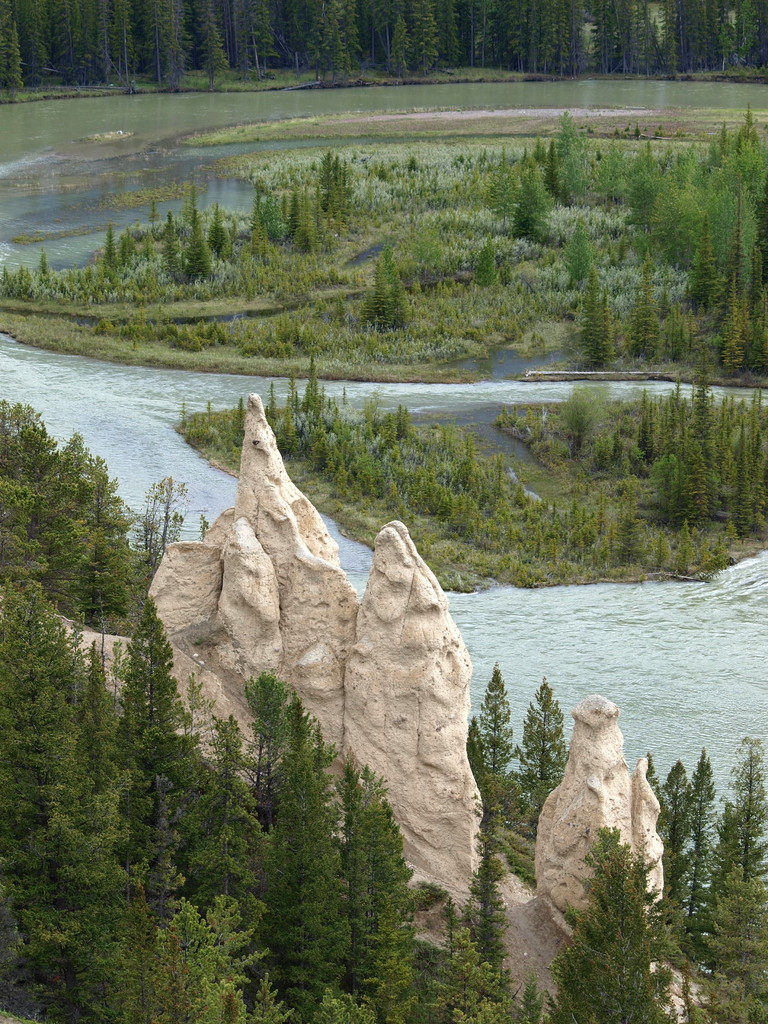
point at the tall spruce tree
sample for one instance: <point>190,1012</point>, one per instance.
<point>304,926</point>
<point>612,970</point>
<point>743,827</point>
<point>485,910</point>
<point>156,755</point>
<point>497,746</point>
<point>542,754</point>
<point>378,903</point>
<point>674,828</point>
<point>224,834</point>
<point>701,805</point>
<point>269,700</point>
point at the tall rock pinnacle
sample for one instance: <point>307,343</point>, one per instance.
<point>597,792</point>
<point>388,684</point>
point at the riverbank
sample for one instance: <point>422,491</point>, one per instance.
<point>283,79</point>
<point>464,498</point>
<point>69,338</point>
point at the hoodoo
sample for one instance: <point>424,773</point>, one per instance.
<point>597,792</point>
<point>388,680</point>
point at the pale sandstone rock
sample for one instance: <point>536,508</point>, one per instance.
<point>407,701</point>
<point>249,605</point>
<point>596,792</point>
<point>187,585</point>
<point>318,604</point>
<point>217,533</point>
<point>265,591</point>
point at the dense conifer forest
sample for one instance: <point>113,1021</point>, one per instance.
<point>87,42</point>
<point>159,865</point>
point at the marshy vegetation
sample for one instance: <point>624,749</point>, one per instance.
<point>399,259</point>
<point>672,487</point>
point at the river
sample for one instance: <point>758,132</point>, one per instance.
<point>685,662</point>
<point>54,180</point>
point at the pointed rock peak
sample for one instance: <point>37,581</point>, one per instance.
<point>281,516</point>
<point>401,581</point>
<point>596,792</point>
<point>261,455</point>
<point>406,707</point>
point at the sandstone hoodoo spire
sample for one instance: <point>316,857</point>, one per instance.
<point>407,702</point>
<point>597,792</point>
<point>388,680</point>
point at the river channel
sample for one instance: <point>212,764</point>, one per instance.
<point>59,175</point>
<point>685,662</point>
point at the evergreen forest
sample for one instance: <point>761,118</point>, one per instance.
<point>122,42</point>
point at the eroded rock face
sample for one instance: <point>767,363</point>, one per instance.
<point>407,701</point>
<point>265,592</point>
<point>597,792</point>
<point>187,585</point>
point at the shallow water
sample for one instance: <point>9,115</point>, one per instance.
<point>52,178</point>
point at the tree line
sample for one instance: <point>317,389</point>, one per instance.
<point>84,42</point>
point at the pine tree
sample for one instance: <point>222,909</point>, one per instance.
<point>735,330</point>
<point>224,826</point>
<point>578,254</point>
<point>378,902</point>
<point>386,306</point>
<point>542,754</point>
<point>400,47</point>
<point>171,257</point>
<point>674,828</point>
<point>595,327</point>
<point>110,257</point>
<point>495,728</point>
<point>133,981</point>
<point>154,753</point>
<point>532,205</point>
<point>701,803</point>
<point>423,35</point>
<point>214,59</point>
<point>502,190</point>
<point>11,72</point>
<point>531,1004</point>
<point>268,702</point>
<point>553,173</point>
<point>644,322</point>
<point>472,990</point>
<point>197,255</point>
<point>485,270</point>
<point>612,971</point>
<point>200,966</point>
<point>742,829</point>
<point>217,234</point>
<point>303,926</point>
<point>485,910</point>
